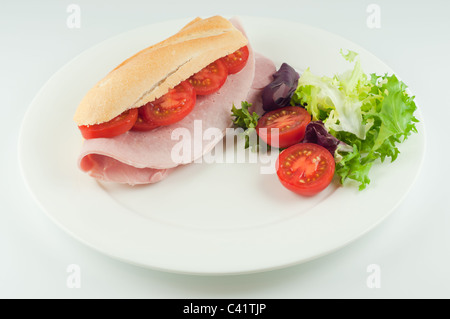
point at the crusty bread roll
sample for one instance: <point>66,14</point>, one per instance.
<point>150,73</point>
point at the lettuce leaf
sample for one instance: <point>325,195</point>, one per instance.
<point>373,114</point>
<point>336,101</point>
<point>278,93</point>
<point>396,113</point>
<point>244,119</point>
<point>316,133</point>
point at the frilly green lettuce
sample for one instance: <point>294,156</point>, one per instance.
<point>336,101</point>
<point>371,113</point>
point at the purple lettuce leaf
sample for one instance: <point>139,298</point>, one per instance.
<point>317,133</point>
<point>279,92</point>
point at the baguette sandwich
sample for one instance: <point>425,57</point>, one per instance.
<point>128,117</point>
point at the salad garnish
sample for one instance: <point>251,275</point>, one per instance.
<point>373,114</point>
<point>278,93</point>
<point>357,118</point>
<point>317,133</point>
<point>245,120</point>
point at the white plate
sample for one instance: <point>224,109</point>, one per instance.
<point>203,219</point>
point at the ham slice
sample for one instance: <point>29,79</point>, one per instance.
<point>146,157</point>
<point>264,69</point>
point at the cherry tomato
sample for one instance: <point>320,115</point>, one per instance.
<point>289,123</point>
<point>209,79</point>
<point>171,107</point>
<point>236,61</point>
<point>142,124</point>
<point>305,168</point>
<point>118,125</point>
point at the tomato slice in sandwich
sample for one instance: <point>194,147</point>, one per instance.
<point>142,124</point>
<point>118,125</point>
<point>209,79</point>
<point>236,61</point>
<point>170,108</point>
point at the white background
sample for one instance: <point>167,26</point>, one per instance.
<point>411,246</point>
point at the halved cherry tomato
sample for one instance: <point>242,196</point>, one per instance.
<point>118,125</point>
<point>209,79</point>
<point>236,61</point>
<point>142,124</point>
<point>285,125</point>
<point>305,168</point>
<point>171,107</point>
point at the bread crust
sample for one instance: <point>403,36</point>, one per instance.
<point>150,73</point>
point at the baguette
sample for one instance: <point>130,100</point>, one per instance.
<point>150,73</point>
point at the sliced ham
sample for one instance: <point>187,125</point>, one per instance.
<point>146,157</point>
<point>264,69</point>
<point>106,168</point>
